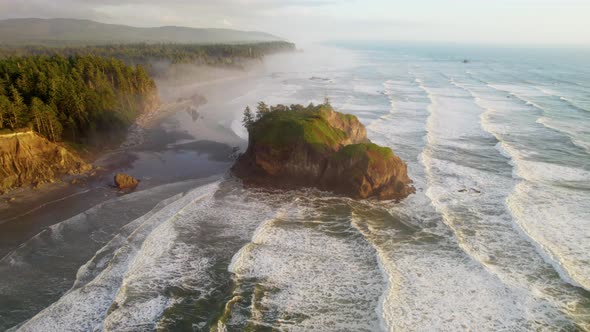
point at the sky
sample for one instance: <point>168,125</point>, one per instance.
<point>481,21</point>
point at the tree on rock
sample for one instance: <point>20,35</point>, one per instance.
<point>248,119</point>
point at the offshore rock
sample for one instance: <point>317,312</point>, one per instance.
<point>316,146</point>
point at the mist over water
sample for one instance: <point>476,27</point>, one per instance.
<point>497,236</point>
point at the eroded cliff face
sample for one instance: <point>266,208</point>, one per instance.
<point>320,148</point>
<point>355,132</point>
<point>27,158</point>
<point>365,170</point>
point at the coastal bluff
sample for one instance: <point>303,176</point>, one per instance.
<point>315,146</point>
<point>27,158</point>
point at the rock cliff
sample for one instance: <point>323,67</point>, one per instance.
<point>319,147</point>
<point>27,158</point>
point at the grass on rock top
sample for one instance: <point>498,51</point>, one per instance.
<point>282,128</point>
<point>363,149</point>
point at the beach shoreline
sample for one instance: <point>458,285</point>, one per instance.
<point>155,151</point>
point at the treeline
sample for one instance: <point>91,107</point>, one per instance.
<point>71,98</point>
<point>145,54</point>
<point>250,117</point>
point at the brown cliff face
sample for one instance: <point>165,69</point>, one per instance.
<point>365,170</point>
<point>353,129</point>
<point>318,147</point>
<point>27,158</point>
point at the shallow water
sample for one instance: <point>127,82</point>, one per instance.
<point>497,236</point>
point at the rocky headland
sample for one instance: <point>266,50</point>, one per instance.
<point>315,146</point>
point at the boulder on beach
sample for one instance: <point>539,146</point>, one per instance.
<point>315,146</point>
<point>125,182</point>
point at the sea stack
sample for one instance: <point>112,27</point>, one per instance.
<point>315,146</point>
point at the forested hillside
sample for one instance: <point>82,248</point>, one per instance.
<point>78,91</point>
<point>84,83</point>
<point>72,98</point>
<point>145,54</point>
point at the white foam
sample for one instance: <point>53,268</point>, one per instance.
<point>311,277</point>
<point>84,308</point>
<point>103,257</point>
<point>171,258</point>
<point>162,262</point>
<point>559,221</point>
<point>437,288</point>
<point>453,261</point>
<point>49,260</point>
<point>365,87</point>
<point>482,224</point>
<point>549,214</point>
<point>434,288</point>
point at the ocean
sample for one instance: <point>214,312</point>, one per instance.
<point>496,238</point>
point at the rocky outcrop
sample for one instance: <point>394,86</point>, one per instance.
<point>365,170</point>
<point>319,147</point>
<point>29,159</point>
<point>125,182</point>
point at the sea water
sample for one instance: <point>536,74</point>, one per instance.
<point>497,236</point>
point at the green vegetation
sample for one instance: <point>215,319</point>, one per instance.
<point>71,98</point>
<point>281,125</point>
<point>146,54</point>
<point>75,93</point>
<point>362,150</point>
<point>248,118</point>
<point>315,146</point>
<point>76,80</point>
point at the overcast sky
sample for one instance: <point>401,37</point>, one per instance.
<point>488,21</point>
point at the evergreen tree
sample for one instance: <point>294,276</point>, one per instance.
<point>261,109</point>
<point>5,104</point>
<point>70,98</point>
<point>248,119</point>
<point>16,110</point>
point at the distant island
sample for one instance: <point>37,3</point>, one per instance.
<point>315,146</point>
